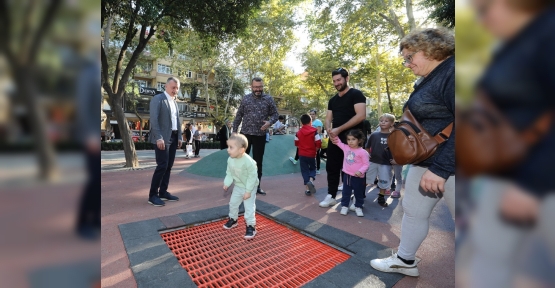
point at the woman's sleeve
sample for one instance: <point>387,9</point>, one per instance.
<point>444,162</point>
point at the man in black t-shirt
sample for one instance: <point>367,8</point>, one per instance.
<point>346,110</point>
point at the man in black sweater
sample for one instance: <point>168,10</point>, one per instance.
<point>346,110</point>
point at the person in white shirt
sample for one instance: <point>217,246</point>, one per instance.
<point>279,127</point>
<point>167,138</point>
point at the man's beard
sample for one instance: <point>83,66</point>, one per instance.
<point>257,93</point>
<point>342,87</point>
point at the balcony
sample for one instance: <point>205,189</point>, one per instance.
<point>283,111</point>
<point>144,73</point>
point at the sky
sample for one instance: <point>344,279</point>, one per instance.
<point>293,59</point>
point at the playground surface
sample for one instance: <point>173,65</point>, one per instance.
<point>131,245</point>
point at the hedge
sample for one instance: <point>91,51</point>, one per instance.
<point>25,147</point>
<point>114,146</point>
<point>73,146</point>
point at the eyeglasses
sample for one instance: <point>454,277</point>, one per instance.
<point>407,61</point>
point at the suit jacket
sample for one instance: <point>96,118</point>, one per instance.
<point>160,119</point>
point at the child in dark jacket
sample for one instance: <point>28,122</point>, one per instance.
<point>308,141</point>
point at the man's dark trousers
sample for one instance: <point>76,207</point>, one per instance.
<point>89,211</point>
<point>334,165</point>
<point>258,144</point>
<point>164,162</point>
<point>197,147</point>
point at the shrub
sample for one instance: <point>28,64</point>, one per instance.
<point>115,146</point>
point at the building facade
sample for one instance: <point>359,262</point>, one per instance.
<point>149,78</point>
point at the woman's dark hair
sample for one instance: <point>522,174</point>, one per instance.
<point>357,133</point>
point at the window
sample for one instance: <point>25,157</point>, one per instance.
<point>189,74</point>
<point>147,67</point>
<point>161,86</point>
<point>164,69</point>
<point>182,107</point>
<point>142,83</point>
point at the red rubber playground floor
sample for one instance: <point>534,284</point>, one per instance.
<point>124,200</point>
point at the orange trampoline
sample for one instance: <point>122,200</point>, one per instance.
<point>277,256</point>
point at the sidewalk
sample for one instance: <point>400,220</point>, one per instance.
<point>112,161</point>
<point>125,195</point>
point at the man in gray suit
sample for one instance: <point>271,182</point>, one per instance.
<point>165,133</point>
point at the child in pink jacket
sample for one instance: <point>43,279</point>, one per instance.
<point>355,165</point>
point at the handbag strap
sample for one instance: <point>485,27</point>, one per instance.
<point>444,134</point>
<point>440,137</point>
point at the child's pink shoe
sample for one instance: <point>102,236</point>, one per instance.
<point>396,194</point>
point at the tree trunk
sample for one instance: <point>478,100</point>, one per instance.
<point>378,85</point>
<point>410,15</point>
<point>394,21</point>
<point>48,167</point>
<point>388,95</point>
<point>396,24</point>
<point>205,80</point>
<point>107,30</point>
<point>116,89</point>
<point>216,106</point>
<point>228,96</point>
<point>323,87</point>
<point>131,160</point>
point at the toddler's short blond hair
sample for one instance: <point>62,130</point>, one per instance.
<point>240,139</point>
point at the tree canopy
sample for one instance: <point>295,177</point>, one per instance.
<point>134,23</point>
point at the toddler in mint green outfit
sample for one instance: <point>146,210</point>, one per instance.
<point>242,169</point>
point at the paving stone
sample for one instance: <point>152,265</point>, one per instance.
<point>141,229</point>
<point>157,269</point>
<point>366,250</point>
<point>179,278</point>
<point>172,221</point>
<point>195,217</point>
<point>265,207</point>
<point>146,250</point>
<point>355,273</point>
<point>137,244</point>
<point>301,222</point>
<point>320,282</point>
<point>331,234</point>
<point>284,216</point>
